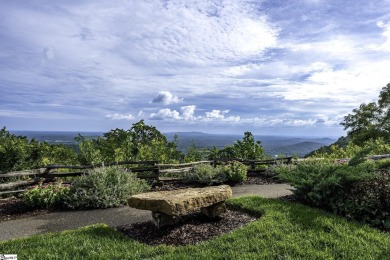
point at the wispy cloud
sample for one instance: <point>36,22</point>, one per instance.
<point>117,116</point>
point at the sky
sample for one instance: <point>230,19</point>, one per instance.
<point>272,67</point>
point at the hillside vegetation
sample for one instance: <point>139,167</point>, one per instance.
<point>139,143</point>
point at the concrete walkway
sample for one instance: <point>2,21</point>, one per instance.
<point>59,221</point>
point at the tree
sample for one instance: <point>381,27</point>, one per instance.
<point>142,133</point>
<point>141,142</point>
<point>19,153</point>
<point>150,144</point>
<point>370,121</point>
<point>247,148</point>
<point>194,153</point>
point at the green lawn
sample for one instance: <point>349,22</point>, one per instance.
<point>285,231</point>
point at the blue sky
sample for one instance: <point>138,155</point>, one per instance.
<point>291,67</point>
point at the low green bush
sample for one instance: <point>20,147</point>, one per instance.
<point>273,171</point>
<point>45,196</point>
<point>319,181</point>
<point>368,201</point>
<point>235,172</point>
<point>360,192</point>
<point>205,174</point>
<point>104,187</point>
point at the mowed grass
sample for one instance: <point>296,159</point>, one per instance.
<point>285,231</point>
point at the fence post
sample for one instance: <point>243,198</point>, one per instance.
<point>157,171</point>
<point>253,166</point>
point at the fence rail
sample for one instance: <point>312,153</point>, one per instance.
<point>144,169</point>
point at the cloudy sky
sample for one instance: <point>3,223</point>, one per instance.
<point>280,67</point>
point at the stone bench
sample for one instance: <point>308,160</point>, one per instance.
<point>167,204</point>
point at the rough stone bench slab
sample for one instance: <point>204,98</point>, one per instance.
<point>167,204</point>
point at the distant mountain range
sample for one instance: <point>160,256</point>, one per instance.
<point>272,145</point>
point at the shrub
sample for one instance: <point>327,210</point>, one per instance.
<point>368,201</point>
<point>274,171</point>
<point>235,172</point>
<point>318,182</point>
<point>360,192</point>
<point>360,157</point>
<point>45,196</point>
<point>205,174</point>
<point>104,187</point>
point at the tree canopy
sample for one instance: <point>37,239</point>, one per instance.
<point>19,153</point>
<point>139,143</point>
<point>247,149</point>
<point>370,121</point>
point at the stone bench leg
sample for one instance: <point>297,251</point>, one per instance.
<point>161,219</point>
<point>214,210</point>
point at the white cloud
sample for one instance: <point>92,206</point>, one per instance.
<point>219,115</point>
<point>215,114</point>
<point>167,98</point>
<point>188,112</point>
<point>117,116</point>
<point>165,113</point>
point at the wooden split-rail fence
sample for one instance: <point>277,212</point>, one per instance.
<point>143,169</point>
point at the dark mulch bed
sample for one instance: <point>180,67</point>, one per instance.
<point>189,229</point>
<point>174,185</point>
<point>261,180</point>
<point>15,208</point>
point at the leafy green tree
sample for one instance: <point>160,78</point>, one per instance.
<point>342,142</point>
<point>370,147</point>
<point>13,151</point>
<point>213,153</point>
<point>194,154</point>
<point>150,144</point>
<point>18,153</point>
<point>174,155</point>
<point>90,152</point>
<point>247,148</point>
<point>140,143</point>
<point>370,121</point>
<point>227,152</point>
<point>56,154</point>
